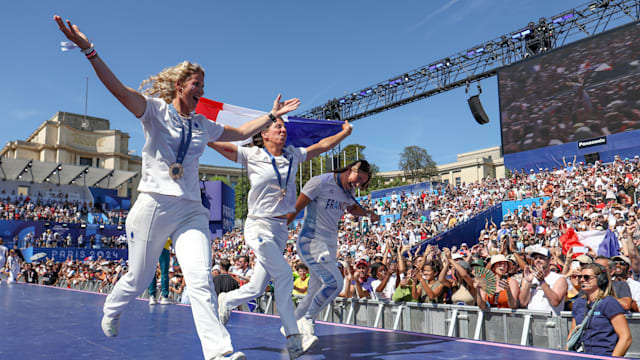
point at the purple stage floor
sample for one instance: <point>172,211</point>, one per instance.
<point>39,322</point>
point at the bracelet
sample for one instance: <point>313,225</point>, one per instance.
<point>92,54</point>
<point>272,117</point>
<point>88,50</point>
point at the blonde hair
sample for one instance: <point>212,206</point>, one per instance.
<point>162,85</point>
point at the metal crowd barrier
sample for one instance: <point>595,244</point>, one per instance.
<point>521,327</point>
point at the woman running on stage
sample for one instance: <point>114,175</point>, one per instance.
<point>169,203</point>
<point>326,197</point>
<point>272,172</point>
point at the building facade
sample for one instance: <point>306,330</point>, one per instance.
<point>469,167</point>
<point>73,139</point>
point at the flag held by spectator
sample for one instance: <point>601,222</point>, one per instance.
<point>609,246</point>
<point>568,240</point>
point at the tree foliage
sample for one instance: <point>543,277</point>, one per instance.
<point>242,193</point>
<point>417,164</point>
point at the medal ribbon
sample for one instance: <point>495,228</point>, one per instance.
<point>184,143</point>
<point>275,168</point>
<point>345,190</point>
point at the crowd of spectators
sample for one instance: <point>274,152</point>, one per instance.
<point>57,210</point>
<point>377,263</point>
<point>519,263</point>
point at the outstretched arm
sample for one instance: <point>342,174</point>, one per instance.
<point>252,127</point>
<point>328,142</point>
<point>228,150</point>
<point>357,210</point>
<point>130,98</point>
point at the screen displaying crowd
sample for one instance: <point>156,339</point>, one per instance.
<point>582,91</point>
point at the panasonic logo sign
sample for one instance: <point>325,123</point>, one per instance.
<point>592,142</point>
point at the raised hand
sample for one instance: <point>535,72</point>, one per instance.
<point>281,108</point>
<point>347,127</point>
<point>72,32</point>
<point>528,274</point>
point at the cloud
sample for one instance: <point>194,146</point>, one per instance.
<point>437,12</point>
<point>23,114</point>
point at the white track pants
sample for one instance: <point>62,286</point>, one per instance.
<point>268,238</point>
<point>152,220</point>
<point>325,282</point>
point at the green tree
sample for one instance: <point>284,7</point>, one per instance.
<point>242,191</point>
<point>321,164</point>
<point>417,164</point>
<point>220,178</point>
<point>352,152</point>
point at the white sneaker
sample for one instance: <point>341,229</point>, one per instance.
<point>110,326</point>
<point>305,326</point>
<point>223,311</point>
<point>152,300</point>
<point>235,356</point>
<point>165,301</point>
<point>308,341</point>
<point>299,344</point>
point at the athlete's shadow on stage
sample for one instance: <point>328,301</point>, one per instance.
<point>373,345</point>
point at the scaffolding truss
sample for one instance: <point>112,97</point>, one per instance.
<point>480,62</point>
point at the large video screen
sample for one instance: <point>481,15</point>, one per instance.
<point>581,91</point>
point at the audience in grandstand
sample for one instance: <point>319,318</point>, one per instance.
<point>534,270</point>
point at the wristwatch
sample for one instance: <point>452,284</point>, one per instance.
<point>272,117</point>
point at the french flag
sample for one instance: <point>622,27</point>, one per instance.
<point>604,243</point>
<point>301,132</point>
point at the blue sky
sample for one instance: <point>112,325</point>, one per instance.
<point>251,50</point>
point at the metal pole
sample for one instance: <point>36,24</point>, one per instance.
<point>300,177</point>
<point>86,100</point>
<point>321,169</point>
<point>357,154</point>
<point>310,168</point>
<point>344,159</point>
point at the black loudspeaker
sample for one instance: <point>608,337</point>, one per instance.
<point>477,110</point>
<point>591,158</point>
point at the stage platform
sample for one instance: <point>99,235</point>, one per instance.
<point>40,322</point>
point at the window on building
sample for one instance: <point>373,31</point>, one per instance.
<point>86,161</point>
<point>446,181</point>
<point>458,181</point>
<point>97,162</point>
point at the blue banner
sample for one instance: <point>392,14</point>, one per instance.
<point>466,232</point>
<point>18,229</point>
<point>63,254</point>
<point>220,199</point>
<point>511,206</point>
<point>110,198</point>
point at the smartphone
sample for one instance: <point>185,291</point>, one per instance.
<point>580,249</point>
<point>575,265</point>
